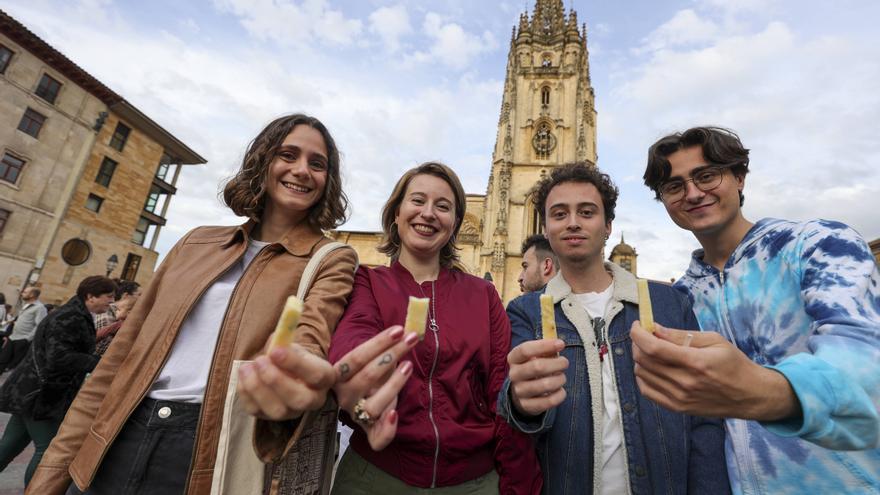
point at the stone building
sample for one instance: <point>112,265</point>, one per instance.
<point>547,118</point>
<point>875,249</point>
<point>624,255</point>
<point>85,177</point>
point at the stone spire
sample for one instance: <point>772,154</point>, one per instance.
<point>548,19</point>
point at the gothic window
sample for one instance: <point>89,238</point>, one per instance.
<point>545,95</point>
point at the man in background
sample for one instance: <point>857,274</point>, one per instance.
<point>539,263</point>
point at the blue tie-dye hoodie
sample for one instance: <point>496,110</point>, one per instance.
<point>802,299</point>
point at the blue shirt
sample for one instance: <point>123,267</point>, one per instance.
<point>802,299</point>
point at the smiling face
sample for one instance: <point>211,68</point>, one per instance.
<point>298,173</point>
<point>703,212</point>
<point>575,222</point>
<point>426,217</point>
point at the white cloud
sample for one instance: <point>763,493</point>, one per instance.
<point>451,44</point>
<point>685,28</point>
<point>390,24</point>
<point>290,23</point>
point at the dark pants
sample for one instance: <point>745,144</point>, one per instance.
<point>12,353</point>
<point>20,431</point>
<point>152,453</point>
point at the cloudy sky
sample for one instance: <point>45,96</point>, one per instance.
<point>400,82</point>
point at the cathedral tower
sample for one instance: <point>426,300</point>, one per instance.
<point>548,118</point>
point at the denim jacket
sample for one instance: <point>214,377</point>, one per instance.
<point>666,452</point>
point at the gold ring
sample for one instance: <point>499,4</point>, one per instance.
<point>360,413</point>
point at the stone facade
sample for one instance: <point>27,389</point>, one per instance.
<point>45,205</point>
<point>547,118</point>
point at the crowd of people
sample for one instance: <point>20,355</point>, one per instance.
<point>760,375</point>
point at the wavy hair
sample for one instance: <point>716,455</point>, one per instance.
<point>245,192</point>
<point>390,244</point>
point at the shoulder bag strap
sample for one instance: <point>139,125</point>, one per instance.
<point>305,282</point>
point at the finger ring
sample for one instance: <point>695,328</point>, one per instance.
<point>360,413</point>
<point>687,339</point>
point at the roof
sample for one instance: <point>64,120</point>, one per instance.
<point>623,249</point>
<point>25,38</point>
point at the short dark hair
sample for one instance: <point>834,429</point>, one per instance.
<point>35,291</point>
<point>124,287</point>
<point>720,147</point>
<point>390,243</point>
<point>245,193</point>
<point>94,286</point>
<point>542,248</point>
<point>577,172</point>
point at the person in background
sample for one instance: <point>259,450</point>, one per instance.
<point>105,335</point>
<point>148,419</point>
<point>790,312</point>
<point>41,388</point>
<point>31,314</point>
<point>539,263</point>
<point>127,289</point>
<point>440,433</point>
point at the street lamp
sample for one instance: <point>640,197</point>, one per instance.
<point>112,261</point>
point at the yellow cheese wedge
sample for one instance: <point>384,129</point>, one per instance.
<point>646,313</point>
<point>548,318</point>
<point>417,315</point>
<point>287,322</point>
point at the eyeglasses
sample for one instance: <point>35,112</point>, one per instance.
<point>705,180</point>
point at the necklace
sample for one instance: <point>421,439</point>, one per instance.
<point>432,310</point>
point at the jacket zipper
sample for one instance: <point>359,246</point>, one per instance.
<point>431,403</point>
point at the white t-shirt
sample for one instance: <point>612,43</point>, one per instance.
<point>185,374</point>
<point>613,461</point>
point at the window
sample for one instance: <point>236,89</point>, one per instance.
<point>94,203</point>
<point>152,200</point>
<point>4,217</point>
<point>48,88</point>
<point>31,122</point>
<point>105,173</point>
<point>5,57</point>
<point>10,168</point>
<point>120,136</point>
<point>162,171</point>
<point>545,95</point>
<point>130,269</point>
<point>140,232</point>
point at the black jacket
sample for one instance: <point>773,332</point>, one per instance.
<point>62,350</point>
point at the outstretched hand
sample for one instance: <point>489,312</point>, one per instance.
<point>368,380</point>
<point>287,382</point>
<point>537,376</point>
<point>701,373</point>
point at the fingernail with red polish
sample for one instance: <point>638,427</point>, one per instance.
<point>406,367</point>
<point>392,416</point>
<point>396,333</point>
<point>411,338</point>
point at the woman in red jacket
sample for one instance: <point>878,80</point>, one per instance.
<point>441,431</point>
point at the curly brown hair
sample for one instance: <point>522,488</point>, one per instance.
<point>245,192</point>
<point>577,172</point>
<point>390,244</point>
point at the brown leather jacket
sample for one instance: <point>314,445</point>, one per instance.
<point>140,349</point>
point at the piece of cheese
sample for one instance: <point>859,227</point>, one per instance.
<point>417,315</point>
<point>646,313</point>
<point>548,318</point>
<point>287,322</point>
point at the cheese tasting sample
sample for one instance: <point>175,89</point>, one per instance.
<point>417,315</point>
<point>548,319</point>
<point>646,313</point>
<point>287,322</point>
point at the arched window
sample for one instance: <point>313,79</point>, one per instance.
<point>545,95</point>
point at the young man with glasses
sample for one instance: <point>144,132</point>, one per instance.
<point>795,364</point>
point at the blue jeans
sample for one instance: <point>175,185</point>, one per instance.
<point>152,453</point>
<point>20,431</point>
